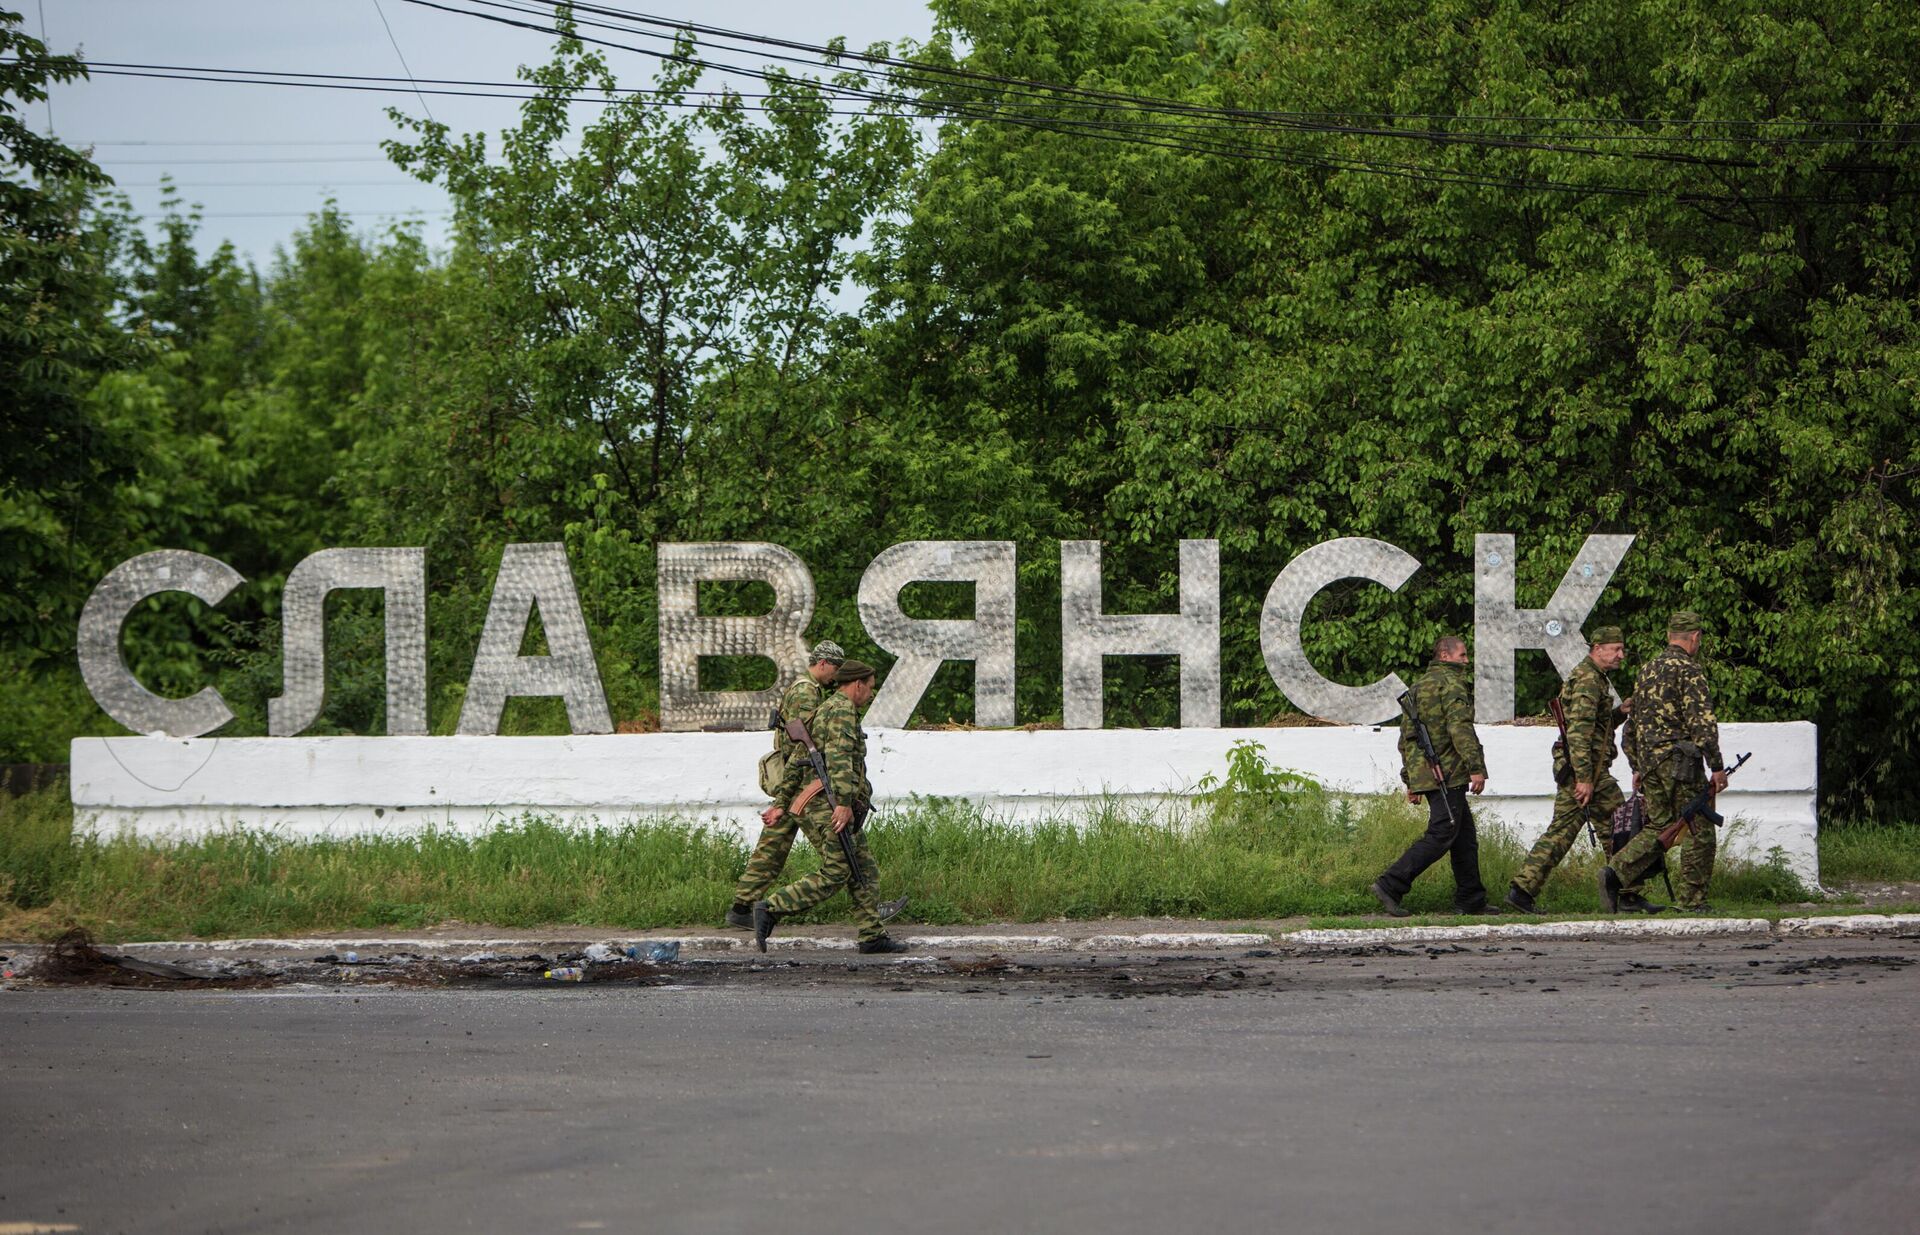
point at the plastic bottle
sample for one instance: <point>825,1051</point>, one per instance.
<point>567,973</point>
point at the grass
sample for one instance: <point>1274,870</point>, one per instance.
<point>1853,852</point>
<point>1251,851</point>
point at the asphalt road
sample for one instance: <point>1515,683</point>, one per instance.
<point>1642,1087</point>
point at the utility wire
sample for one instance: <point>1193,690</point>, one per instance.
<point>821,52</point>
<point>404,67</point>
<point>1092,129</point>
<point>1138,133</point>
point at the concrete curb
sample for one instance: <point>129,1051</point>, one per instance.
<point>1638,928</point>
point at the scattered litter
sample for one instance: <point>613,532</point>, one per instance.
<point>566,973</point>
<point>659,952</point>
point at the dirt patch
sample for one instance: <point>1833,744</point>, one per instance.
<point>1322,973</point>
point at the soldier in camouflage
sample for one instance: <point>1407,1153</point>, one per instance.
<point>777,828</point>
<point>1588,791</point>
<point>1675,732</point>
<point>836,731</point>
<point>1444,699</point>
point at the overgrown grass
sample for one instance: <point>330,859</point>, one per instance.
<point>1252,850</point>
<point>1864,851</point>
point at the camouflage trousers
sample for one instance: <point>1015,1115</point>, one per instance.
<point>834,874</point>
<point>1570,821</point>
<point>1666,796</point>
<point>768,859</point>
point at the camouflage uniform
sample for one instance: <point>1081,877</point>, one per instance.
<point>776,838</point>
<point>836,731</point>
<point>1444,698</point>
<point>1592,716</point>
<point>1674,730</point>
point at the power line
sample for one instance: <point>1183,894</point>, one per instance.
<point>1134,132</point>
<point>268,184</point>
<point>271,141</point>
<point>357,158</point>
<point>404,66</point>
<point>1309,121</point>
<point>1105,130</point>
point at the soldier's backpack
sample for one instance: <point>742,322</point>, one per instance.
<point>1628,819</point>
<point>773,770</point>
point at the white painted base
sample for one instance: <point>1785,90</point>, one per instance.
<point>339,786</point>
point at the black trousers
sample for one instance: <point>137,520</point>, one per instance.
<point>1458,841</point>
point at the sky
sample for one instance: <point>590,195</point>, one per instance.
<point>259,158</point>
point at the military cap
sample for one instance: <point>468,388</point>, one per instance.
<point>852,671</point>
<point>828,651</point>
<point>1683,621</point>
<point>1608,634</point>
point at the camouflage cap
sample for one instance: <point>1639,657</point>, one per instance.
<point>1608,634</point>
<point>1683,622</point>
<point>828,651</point>
<point>852,671</point>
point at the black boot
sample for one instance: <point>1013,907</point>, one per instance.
<point>764,920</point>
<point>1521,900</point>
<point>1609,890</point>
<point>889,910</point>
<point>1633,902</point>
<point>885,943</point>
<point>740,915</point>
<point>1391,901</point>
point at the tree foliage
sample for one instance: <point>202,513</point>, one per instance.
<point>1612,304</point>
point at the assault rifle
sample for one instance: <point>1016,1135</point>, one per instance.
<point>1424,741</point>
<point>1563,767</point>
<point>818,758</point>
<point>1700,808</point>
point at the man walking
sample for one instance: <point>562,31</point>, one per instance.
<point>777,828</point>
<point>1443,700</point>
<point>1588,790</point>
<point>1676,731</point>
<point>836,731</point>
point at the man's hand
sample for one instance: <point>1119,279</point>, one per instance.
<point>1720,781</point>
<point>1477,783</point>
<point>771,815</point>
<point>842,816</point>
<point>1636,782</point>
<point>1583,792</point>
<point>1626,705</point>
<point>1412,796</point>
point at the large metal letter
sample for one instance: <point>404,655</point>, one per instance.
<point>1500,629</point>
<point>1350,557</point>
<point>921,644</point>
<point>108,679</point>
<point>686,636</point>
<point>535,575</point>
<point>402,575</point>
<point>1193,634</point>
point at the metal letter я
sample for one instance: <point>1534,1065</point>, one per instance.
<point>1193,634</point>
<point>922,644</point>
<point>686,635</point>
<point>108,679</point>
<point>402,575</point>
<point>1500,629</point>
<point>1350,557</point>
<point>535,575</point>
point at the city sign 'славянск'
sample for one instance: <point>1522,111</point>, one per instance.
<point>538,575</point>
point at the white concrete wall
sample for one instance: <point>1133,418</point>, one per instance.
<point>316,786</point>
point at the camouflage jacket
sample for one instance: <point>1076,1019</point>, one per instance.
<point>1671,706</point>
<point>797,704</point>
<point>1592,716</point>
<point>1444,698</point>
<point>836,731</point>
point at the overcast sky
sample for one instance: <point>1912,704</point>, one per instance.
<point>258,158</point>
